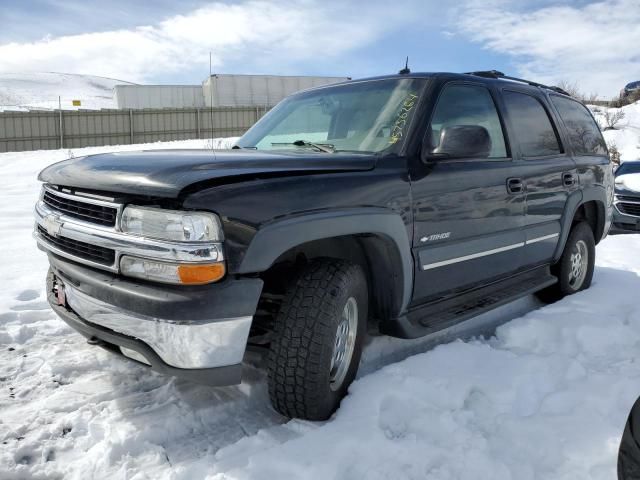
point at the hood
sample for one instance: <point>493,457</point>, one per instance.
<point>628,183</point>
<point>165,173</point>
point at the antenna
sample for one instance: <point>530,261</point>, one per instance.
<point>405,70</point>
<point>211,103</point>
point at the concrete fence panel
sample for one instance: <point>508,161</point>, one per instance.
<point>46,130</point>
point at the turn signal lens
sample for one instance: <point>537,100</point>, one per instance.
<point>199,274</point>
<point>176,273</point>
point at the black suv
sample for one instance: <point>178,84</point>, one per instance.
<point>630,89</point>
<point>403,203</point>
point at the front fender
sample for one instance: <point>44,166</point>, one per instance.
<point>277,237</point>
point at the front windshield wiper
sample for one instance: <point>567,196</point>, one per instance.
<point>238,147</point>
<point>322,147</point>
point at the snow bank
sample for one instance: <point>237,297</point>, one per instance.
<point>20,262</point>
<point>24,91</point>
<point>626,136</point>
<point>546,398</point>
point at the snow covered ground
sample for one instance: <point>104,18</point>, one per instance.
<point>545,398</point>
<point>626,135</point>
<point>24,91</point>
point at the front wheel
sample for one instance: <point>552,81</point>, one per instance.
<point>317,339</point>
<point>575,267</point>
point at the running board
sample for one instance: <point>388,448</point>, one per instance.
<point>432,317</point>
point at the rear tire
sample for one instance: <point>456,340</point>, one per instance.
<point>575,267</point>
<point>317,339</point>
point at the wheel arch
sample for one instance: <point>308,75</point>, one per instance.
<point>587,205</point>
<point>375,238</point>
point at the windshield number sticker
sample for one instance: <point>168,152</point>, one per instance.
<point>401,120</point>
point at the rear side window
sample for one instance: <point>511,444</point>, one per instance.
<point>532,125</point>
<point>463,105</point>
<point>584,135</point>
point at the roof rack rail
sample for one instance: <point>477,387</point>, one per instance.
<point>498,74</point>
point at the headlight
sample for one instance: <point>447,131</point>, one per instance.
<point>167,272</point>
<point>176,225</point>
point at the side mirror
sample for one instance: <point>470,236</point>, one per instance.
<point>463,141</point>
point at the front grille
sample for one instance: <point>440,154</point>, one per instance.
<point>104,256</point>
<point>89,212</point>
<point>629,208</point>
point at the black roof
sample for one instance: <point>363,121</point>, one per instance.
<point>487,75</point>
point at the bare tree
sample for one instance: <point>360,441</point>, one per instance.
<point>614,153</point>
<point>590,99</point>
<point>619,101</point>
<point>571,88</point>
<point>574,91</point>
<point>611,118</point>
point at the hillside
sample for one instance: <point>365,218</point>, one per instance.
<point>23,91</point>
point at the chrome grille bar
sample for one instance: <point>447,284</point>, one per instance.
<point>88,209</point>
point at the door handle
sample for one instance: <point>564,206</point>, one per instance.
<point>568,179</point>
<point>515,185</point>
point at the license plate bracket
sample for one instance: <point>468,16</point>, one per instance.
<point>58,290</point>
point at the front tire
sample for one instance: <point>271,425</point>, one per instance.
<point>317,339</point>
<point>575,267</point>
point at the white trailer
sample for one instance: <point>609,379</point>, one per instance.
<point>158,96</point>
<point>257,90</point>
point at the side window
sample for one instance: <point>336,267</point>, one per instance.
<point>465,106</point>
<point>584,134</point>
<point>532,125</point>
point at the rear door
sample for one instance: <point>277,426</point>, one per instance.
<point>589,150</point>
<point>546,168</point>
<point>467,222</point>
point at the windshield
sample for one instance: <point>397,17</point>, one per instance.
<point>370,116</point>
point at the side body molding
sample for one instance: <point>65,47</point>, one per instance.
<point>275,238</point>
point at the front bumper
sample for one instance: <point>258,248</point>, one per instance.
<point>199,333</point>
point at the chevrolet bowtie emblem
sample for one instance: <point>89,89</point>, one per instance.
<point>52,224</point>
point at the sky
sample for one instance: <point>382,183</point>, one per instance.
<point>594,44</point>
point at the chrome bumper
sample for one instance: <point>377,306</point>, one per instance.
<point>180,344</point>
